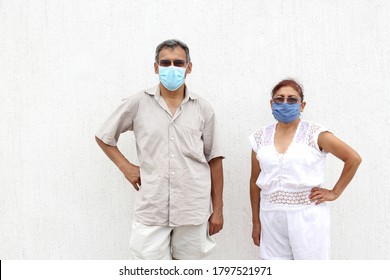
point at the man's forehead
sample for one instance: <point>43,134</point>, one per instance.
<point>177,51</point>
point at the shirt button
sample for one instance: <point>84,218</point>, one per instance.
<point>172,138</point>
<point>172,173</point>
<point>172,156</point>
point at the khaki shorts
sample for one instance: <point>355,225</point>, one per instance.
<point>191,242</point>
<point>295,234</point>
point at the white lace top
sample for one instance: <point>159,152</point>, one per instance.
<point>286,179</point>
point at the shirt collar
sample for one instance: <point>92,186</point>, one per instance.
<point>157,95</point>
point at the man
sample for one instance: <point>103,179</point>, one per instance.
<point>179,181</point>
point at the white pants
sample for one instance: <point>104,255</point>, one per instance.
<point>191,242</point>
<point>295,234</point>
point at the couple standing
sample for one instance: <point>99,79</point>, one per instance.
<point>179,182</point>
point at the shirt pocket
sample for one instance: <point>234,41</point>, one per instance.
<point>191,143</point>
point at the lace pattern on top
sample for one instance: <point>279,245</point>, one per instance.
<point>305,135</point>
<point>258,137</point>
<point>304,126</point>
<point>307,132</point>
<point>285,199</point>
<point>314,128</point>
<point>269,132</point>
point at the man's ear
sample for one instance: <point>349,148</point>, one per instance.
<point>155,68</point>
<point>189,68</point>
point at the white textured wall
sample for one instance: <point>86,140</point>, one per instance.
<point>65,65</point>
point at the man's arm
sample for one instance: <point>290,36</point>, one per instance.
<point>216,218</point>
<point>128,169</point>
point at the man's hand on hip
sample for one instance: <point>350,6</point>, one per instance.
<point>132,174</point>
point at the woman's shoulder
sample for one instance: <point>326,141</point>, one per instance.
<point>263,135</point>
<point>264,128</point>
<point>309,133</point>
<point>312,126</point>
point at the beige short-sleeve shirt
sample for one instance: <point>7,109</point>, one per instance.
<point>173,153</point>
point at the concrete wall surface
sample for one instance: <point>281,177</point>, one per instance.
<point>65,65</point>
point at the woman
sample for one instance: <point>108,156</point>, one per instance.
<point>289,212</point>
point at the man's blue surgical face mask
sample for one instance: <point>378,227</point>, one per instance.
<point>172,77</point>
<point>286,112</point>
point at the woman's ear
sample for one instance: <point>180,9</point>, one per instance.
<point>303,105</point>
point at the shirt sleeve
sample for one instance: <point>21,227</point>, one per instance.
<point>121,120</point>
<point>211,140</point>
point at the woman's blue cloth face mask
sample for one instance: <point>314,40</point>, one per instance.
<point>172,77</point>
<point>285,112</point>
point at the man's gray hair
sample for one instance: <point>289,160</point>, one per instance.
<point>172,43</point>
